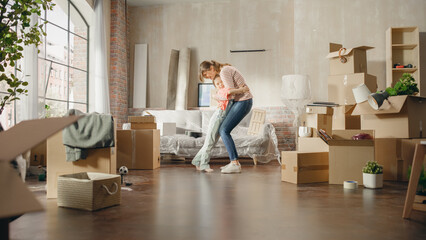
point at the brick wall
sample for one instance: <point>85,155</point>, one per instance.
<point>119,62</point>
<point>282,119</point>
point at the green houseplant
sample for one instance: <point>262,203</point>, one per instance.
<point>405,86</point>
<point>372,175</point>
<point>17,31</point>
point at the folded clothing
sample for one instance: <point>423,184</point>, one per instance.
<point>91,131</point>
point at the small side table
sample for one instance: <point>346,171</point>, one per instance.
<point>412,201</point>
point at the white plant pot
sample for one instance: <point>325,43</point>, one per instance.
<point>372,180</point>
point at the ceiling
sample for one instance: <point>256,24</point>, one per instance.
<point>143,3</point>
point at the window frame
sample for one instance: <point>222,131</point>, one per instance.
<point>68,65</point>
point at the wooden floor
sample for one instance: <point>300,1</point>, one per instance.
<point>177,202</point>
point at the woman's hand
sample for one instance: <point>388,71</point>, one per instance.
<point>245,89</point>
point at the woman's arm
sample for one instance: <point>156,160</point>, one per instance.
<point>242,90</point>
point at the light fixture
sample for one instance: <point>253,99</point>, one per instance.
<point>361,93</point>
<point>376,99</point>
<point>295,94</point>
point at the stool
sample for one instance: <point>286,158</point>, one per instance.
<point>411,200</point>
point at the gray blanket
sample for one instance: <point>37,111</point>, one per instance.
<point>92,131</point>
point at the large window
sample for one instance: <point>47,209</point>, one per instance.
<point>63,60</point>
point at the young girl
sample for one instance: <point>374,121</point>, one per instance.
<point>223,95</point>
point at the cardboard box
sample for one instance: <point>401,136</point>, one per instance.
<point>138,149</point>
<point>142,119</point>
<point>318,121</point>
<point>301,167</point>
<point>395,154</point>
<point>400,117</point>
<point>343,118</point>
<point>340,87</point>
<point>347,157</point>
<point>16,199</point>
<point>101,160</point>
<point>143,125</point>
<point>356,60</point>
<point>167,128</point>
<point>387,152</point>
<point>319,110</point>
<point>311,144</point>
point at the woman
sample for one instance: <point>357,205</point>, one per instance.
<point>242,103</point>
<point>223,95</point>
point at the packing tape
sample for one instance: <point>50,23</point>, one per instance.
<point>350,184</point>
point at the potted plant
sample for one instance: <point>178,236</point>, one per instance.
<point>372,175</point>
<point>17,31</point>
<point>406,86</point>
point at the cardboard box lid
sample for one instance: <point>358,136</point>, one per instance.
<point>27,134</point>
<point>393,105</point>
<point>344,109</point>
<point>347,51</point>
<point>16,198</point>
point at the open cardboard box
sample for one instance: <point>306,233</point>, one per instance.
<point>347,157</point>
<point>399,117</point>
<point>16,199</point>
<point>356,59</point>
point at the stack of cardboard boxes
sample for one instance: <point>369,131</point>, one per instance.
<point>345,157</point>
<point>139,147</point>
<point>309,164</point>
<point>395,128</point>
<point>398,127</point>
<point>344,76</point>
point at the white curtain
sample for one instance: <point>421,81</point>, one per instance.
<point>27,106</point>
<point>101,84</point>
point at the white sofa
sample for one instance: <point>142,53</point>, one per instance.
<point>261,148</point>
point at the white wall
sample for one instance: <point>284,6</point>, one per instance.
<point>295,34</point>
<point>352,23</point>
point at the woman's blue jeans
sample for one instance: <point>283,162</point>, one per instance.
<point>237,112</point>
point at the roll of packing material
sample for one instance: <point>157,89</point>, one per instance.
<point>361,93</point>
<point>350,184</point>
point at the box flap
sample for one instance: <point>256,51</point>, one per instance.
<point>344,138</point>
<point>393,105</point>
<point>347,51</point>
<point>27,134</point>
<point>15,199</point>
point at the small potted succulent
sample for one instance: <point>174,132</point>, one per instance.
<point>372,175</point>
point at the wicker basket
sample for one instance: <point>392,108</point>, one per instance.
<point>88,190</point>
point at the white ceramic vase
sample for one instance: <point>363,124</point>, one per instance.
<point>305,132</point>
<point>372,180</point>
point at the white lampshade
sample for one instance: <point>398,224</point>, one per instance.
<point>361,93</point>
<point>295,91</point>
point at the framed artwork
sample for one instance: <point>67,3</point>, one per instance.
<point>204,90</point>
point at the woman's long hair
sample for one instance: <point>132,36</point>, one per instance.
<point>204,66</point>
